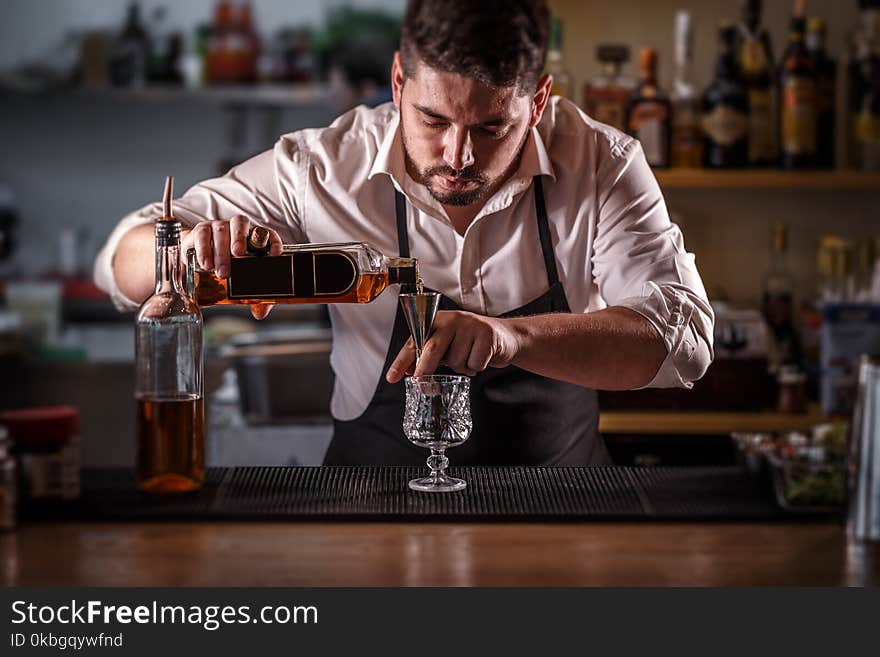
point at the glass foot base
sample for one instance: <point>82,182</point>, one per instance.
<point>437,484</point>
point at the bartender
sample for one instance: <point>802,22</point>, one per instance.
<point>544,230</point>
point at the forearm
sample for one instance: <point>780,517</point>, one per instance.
<point>611,349</point>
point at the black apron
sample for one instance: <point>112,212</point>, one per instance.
<point>519,418</point>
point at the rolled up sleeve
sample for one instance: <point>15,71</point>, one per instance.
<point>640,263</point>
<point>263,188</point>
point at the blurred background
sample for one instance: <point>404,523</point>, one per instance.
<point>101,99</point>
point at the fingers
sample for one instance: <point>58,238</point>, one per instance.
<point>239,226</point>
<point>261,310</point>
<point>203,242</point>
<point>435,349</point>
<point>220,237</point>
<point>402,364</point>
<point>274,243</point>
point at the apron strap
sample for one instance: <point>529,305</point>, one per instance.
<point>543,229</point>
<point>544,232</point>
<point>402,233</point>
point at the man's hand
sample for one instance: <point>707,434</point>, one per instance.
<point>216,241</point>
<point>464,342</point>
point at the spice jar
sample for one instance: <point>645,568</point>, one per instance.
<point>8,483</point>
<point>47,449</point>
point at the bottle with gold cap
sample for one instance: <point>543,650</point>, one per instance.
<point>169,366</point>
<point>344,272</point>
<point>649,112</point>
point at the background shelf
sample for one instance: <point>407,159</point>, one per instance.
<point>841,180</point>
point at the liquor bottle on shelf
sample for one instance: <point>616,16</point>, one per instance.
<point>725,109</point>
<point>649,112</point>
<point>755,58</point>
<point>798,90</point>
<point>129,55</point>
<point>556,62</point>
<point>686,142</point>
<point>863,98</point>
<point>826,84</point>
<point>606,95</point>
<point>778,302</point>
<point>169,374</point>
<point>349,272</point>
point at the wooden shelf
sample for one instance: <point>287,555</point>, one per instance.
<point>695,423</point>
<point>840,180</point>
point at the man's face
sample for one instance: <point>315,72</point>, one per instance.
<point>461,138</point>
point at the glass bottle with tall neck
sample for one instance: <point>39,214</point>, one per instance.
<point>755,56</point>
<point>725,109</point>
<point>797,82</point>
<point>606,95</point>
<point>826,85</point>
<point>863,98</point>
<point>556,61</point>
<point>649,112</point>
<point>169,367</point>
<point>778,301</point>
<point>686,144</point>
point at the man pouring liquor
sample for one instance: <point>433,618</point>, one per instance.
<point>545,232</point>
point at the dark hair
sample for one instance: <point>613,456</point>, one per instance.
<point>498,42</point>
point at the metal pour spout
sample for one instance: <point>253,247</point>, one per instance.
<point>419,308</point>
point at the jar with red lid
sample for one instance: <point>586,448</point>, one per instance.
<point>46,446</point>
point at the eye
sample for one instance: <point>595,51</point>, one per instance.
<point>434,126</point>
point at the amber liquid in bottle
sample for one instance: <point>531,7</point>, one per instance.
<point>211,290</point>
<point>170,444</point>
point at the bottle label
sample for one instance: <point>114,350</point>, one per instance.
<point>607,104</point>
<point>648,123</point>
<point>867,128</point>
<point>311,274</point>
<point>762,126</point>
<point>799,116</point>
<point>753,57</point>
<point>725,125</point>
<point>686,140</point>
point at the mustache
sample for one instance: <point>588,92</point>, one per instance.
<point>466,174</point>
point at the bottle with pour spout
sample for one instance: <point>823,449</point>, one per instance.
<point>169,373</point>
<point>341,272</point>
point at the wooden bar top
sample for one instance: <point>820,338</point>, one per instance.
<point>435,554</point>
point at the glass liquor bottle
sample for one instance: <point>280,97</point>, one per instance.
<point>826,83</point>
<point>686,143</point>
<point>649,112</point>
<point>755,57</point>
<point>556,62</point>
<point>863,100</point>
<point>797,81</point>
<point>606,95</point>
<point>725,110</point>
<point>169,374</point>
<point>778,302</point>
<point>344,272</point>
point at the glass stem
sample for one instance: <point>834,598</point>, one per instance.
<point>437,462</point>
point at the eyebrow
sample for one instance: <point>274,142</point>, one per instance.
<point>494,121</point>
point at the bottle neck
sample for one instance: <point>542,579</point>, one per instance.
<point>168,268</point>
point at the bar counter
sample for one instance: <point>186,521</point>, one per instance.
<point>360,527</point>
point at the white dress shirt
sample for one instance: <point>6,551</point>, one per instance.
<point>612,238</point>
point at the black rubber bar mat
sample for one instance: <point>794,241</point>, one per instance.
<point>381,494</point>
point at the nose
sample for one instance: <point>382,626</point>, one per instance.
<point>458,149</point>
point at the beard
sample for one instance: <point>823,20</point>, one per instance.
<point>478,180</point>
<point>481,184</point>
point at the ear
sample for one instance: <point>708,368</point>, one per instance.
<point>541,98</point>
<point>397,79</point>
